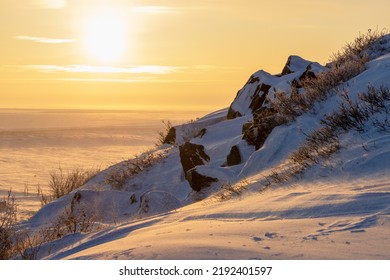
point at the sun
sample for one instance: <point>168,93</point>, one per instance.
<point>105,38</point>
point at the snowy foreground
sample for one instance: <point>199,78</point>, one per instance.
<point>324,219</point>
<point>338,208</point>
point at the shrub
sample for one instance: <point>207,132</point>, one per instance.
<point>324,141</point>
<point>15,243</point>
<point>356,49</point>
<point>264,121</point>
<point>229,190</point>
<point>376,99</point>
<point>319,144</point>
<point>351,115</point>
<point>290,106</point>
<point>163,135</point>
<point>62,183</point>
<point>346,64</point>
<point>7,221</point>
<point>327,82</point>
<point>118,178</point>
<point>72,221</point>
<point>28,245</point>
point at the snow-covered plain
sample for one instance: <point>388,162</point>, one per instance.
<point>337,209</point>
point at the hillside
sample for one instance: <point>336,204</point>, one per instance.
<point>295,168</point>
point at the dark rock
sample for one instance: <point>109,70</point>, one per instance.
<point>259,97</point>
<point>201,133</point>
<point>286,69</point>
<point>133,199</point>
<point>234,157</point>
<point>253,80</point>
<point>249,133</point>
<point>192,155</point>
<point>76,199</point>
<point>308,74</point>
<point>257,131</point>
<point>171,136</point>
<point>296,84</point>
<point>294,63</point>
<point>253,96</point>
<point>199,181</point>
<point>233,114</point>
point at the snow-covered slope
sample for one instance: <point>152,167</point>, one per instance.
<point>214,195</point>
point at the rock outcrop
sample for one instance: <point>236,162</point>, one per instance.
<point>262,86</point>
<point>294,64</point>
<point>192,155</point>
<point>199,181</point>
<point>234,157</point>
<point>171,136</point>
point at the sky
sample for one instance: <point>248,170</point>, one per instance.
<point>173,54</point>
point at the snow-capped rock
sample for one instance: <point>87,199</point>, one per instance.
<point>262,85</point>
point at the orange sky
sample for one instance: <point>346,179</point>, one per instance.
<point>162,54</point>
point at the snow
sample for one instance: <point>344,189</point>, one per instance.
<point>338,209</point>
<point>277,83</point>
<point>328,220</point>
<point>296,63</point>
<point>185,132</point>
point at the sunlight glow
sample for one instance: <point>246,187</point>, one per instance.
<point>105,37</point>
<point>51,4</point>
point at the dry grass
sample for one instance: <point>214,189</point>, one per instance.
<point>162,135</point>
<point>324,142</point>
<point>7,221</point>
<point>228,190</point>
<point>256,132</point>
<point>62,183</point>
<point>118,178</point>
<point>345,64</point>
<point>355,50</point>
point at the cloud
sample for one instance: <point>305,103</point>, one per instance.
<point>51,4</point>
<point>44,40</point>
<point>107,80</point>
<point>146,69</point>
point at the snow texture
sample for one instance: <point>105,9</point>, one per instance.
<point>338,209</point>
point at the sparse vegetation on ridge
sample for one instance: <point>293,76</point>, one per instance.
<point>15,243</point>
<point>350,115</point>
<point>62,183</point>
<point>7,222</point>
<point>118,178</point>
<point>323,142</point>
<point>228,190</point>
<point>162,135</point>
<point>359,47</point>
<point>344,65</point>
<point>284,108</point>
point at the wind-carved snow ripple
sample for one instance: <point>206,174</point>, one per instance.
<point>362,204</point>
